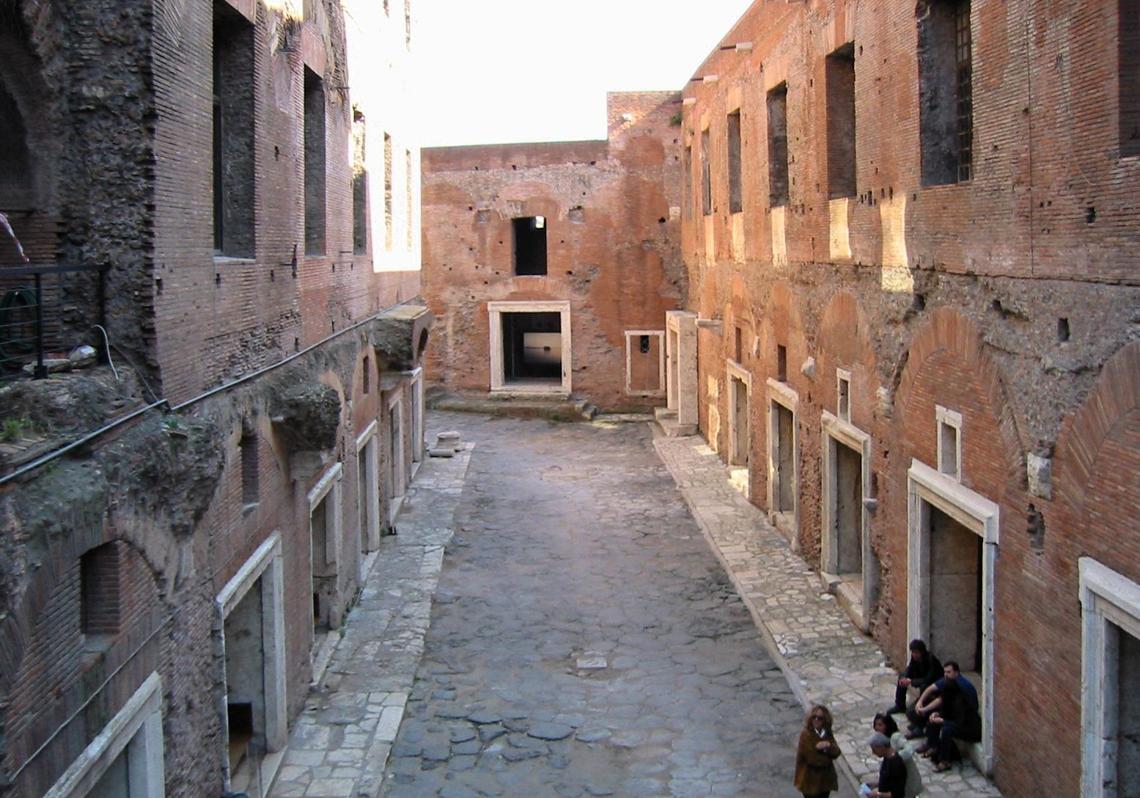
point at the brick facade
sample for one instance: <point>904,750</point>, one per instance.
<point>1005,298</point>
<point>611,236</point>
<point>271,362</point>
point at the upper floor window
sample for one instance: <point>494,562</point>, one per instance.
<point>735,186</point>
<point>778,184</point>
<point>233,133</point>
<point>945,87</point>
<point>314,164</point>
<point>706,175</point>
<point>840,75</point>
<point>1128,70</point>
<point>530,245</point>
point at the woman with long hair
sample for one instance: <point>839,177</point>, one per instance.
<point>816,755</point>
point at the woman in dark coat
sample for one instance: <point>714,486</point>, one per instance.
<point>816,755</point>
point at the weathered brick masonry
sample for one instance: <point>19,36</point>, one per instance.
<point>1007,297</point>
<point>270,312</point>
<point>611,238</point>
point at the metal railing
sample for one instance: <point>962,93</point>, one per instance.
<point>32,315</point>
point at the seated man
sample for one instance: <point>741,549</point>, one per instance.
<point>892,770</point>
<point>955,717</point>
<point>922,670</point>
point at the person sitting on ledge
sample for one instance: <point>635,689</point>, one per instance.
<point>957,717</point>
<point>922,670</point>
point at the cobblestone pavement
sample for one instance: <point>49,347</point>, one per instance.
<point>584,641</point>
<point>827,659</point>
<point>340,743</point>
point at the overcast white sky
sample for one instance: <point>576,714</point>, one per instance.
<point>538,70</point>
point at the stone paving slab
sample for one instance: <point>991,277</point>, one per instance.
<point>826,658</point>
<point>340,744</point>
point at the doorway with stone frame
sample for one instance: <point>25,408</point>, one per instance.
<point>739,430</point>
<point>783,459</point>
<point>952,544</point>
<point>325,530</point>
<point>1110,674</point>
<point>530,347</point>
<point>368,488</point>
<point>849,568</point>
<point>680,416</point>
<point>251,645</point>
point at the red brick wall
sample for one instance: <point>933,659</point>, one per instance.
<point>1017,291</point>
<point>610,242</point>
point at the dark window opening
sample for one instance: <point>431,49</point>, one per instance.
<point>16,171</point>
<point>945,83</point>
<point>706,176</point>
<point>530,245</point>
<point>778,188</point>
<point>359,186</point>
<point>840,66</point>
<point>738,345</point>
<point>366,370</point>
<point>781,363</point>
<point>1062,330</point>
<point>844,405</point>
<point>1128,74</point>
<point>532,347</point>
<point>408,23</point>
<point>735,185</point>
<point>314,164</point>
<point>249,468</point>
<point>233,133</point>
<point>99,592</point>
<point>643,344</point>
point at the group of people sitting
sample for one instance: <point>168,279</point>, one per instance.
<point>944,708</point>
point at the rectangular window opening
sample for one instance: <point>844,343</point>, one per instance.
<point>233,133</point>
<point>408,197</point>
<point>738,344</point>
<point>843,410</point>
<point>781,363</point>
<point>388,222</point>
<point>314,136</point>
<point>366,370</point>
<point>778,186</point>
<point>532,347</point>
<point>249,468</point>
<point>359,186</point>
<point>706,176</point>
<point>1128,75</point>
<point>946,105</point>
<point>643,344</point>
<point>735,185</point>
<point>687,176</point>
<point>840,73</point>
<point>99,594</point>
<point>529,245</point>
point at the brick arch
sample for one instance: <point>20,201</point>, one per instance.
<point>42,646</point>
<point>16,628</point>
<point>952,337</point>
<point>842,315</point>
<point>1108,416</point>
<point>739,309</point>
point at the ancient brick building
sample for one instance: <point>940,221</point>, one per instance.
<point>549,266</point>
<point>245,203</point>
<point>910,233</point>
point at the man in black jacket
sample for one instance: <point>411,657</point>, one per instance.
<point>922,670</point>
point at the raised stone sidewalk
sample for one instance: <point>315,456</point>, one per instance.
<point>826,659</point>
<point>340,744</point>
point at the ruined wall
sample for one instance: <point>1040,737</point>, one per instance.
<point>190,491</point>
<point>1001,297</point>
<point>611,242</point>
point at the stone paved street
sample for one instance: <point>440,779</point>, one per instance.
<point>584,641</point>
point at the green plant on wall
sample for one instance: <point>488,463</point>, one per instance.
<point>13,429</point>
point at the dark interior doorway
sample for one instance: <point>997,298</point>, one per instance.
<point>532,347</point>
<point>955,592</point>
